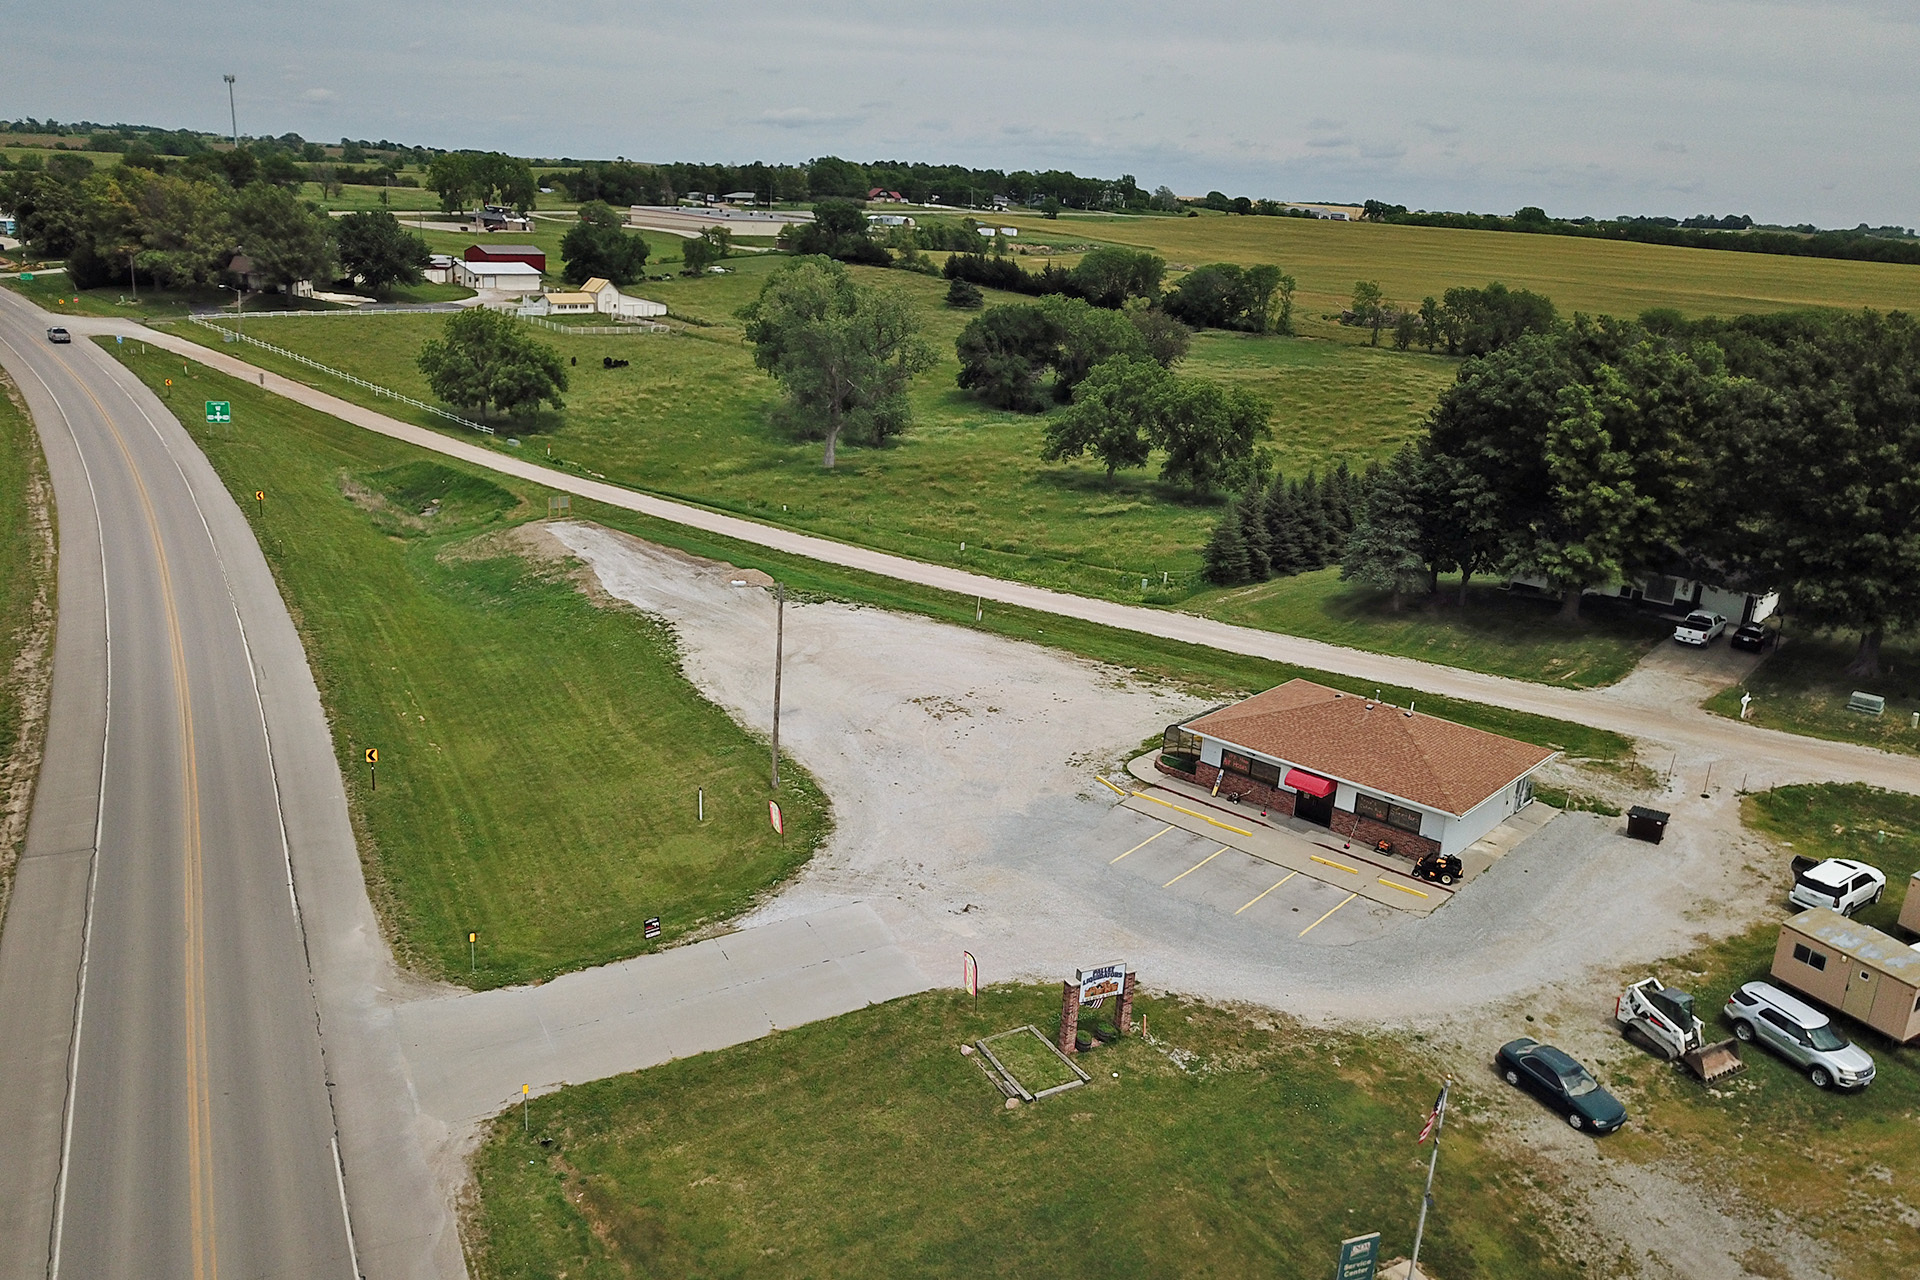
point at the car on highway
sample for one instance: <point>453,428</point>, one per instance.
<point>58,334</point>
<point>1561,1083</point>
<point>1763,1013</point>
<point>1699,627</point>
<point>1840,883</point>
<point>1754,637</point>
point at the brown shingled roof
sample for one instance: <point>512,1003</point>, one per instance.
<point>1431,762</point>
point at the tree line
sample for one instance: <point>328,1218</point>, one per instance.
<point>1764,452</point>
<point>628,182</point>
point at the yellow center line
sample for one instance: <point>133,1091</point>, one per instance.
<point>1144,843</point>
<point>1270,888</point>
<point>200,1186</point>
<point>1196,866</point>
<point>1316,924</point>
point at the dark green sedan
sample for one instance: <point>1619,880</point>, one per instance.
<point>1562,1084</point>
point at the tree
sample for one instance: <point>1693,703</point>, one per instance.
<point>839,230</point>
<point>591,249</point>
<point>1050,207</point>
<point>705,249</point>
<point>1108,276</point>
<point>1370,307</point>
<point>843,353</point>
<point>965,295</point>
<point>1225,556</point>
<point>1003,353</point>
<point>1283,323</point>
<point>1429,322</point>
<point>377,250</point>
<point>486,360</point>
<point>1478,321</point>
<point>600,214</point>
<point>1211,436</point>
<point>285,239</point>
<point>1164,200</point>
<point>1385,552</point>
<point>1115,415</point>
<point>1166,339</point>
<point>1224,295</point>
<point>1086,335</point>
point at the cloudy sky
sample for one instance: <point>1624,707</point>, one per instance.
<point>1789,111</point>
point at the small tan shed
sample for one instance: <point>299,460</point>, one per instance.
<point>1862,972</point>
<point>1910,909</point>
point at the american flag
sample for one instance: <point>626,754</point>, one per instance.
<point>1434,1117</point>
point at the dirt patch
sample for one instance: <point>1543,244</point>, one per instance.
<point>29,676</point>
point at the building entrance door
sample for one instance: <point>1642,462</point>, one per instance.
<point>1858,1002</point>
<point>1314,809</point>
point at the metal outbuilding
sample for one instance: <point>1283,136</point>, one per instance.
<point>1860,971</point>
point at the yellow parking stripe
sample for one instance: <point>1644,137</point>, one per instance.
<point>1335,865</point>
<point>1109,786</point>
<point>1316,924</point>
<point>1196,866</point>
<point>1144,843</point>
<point>1141,795</point>
<point>1270,888</point>
<point>1401,887</point>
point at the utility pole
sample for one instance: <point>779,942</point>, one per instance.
<point>233,114</point>
<point>1426,1197</point>
<point>779,647</point>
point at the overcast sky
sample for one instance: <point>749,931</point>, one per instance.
<point>1789,111</point>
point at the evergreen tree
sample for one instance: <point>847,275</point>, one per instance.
<point>1310,518</point>
<point>1385,551</point>
<point>1283,535</point>
<point>1226,553</point>
<point>1253,532</point>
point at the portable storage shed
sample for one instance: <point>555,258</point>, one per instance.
<point>1910,909</point>
<point>1862,972</point>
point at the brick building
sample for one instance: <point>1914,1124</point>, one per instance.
<point>1366,770</point>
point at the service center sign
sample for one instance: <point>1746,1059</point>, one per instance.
<point>1098,984</point>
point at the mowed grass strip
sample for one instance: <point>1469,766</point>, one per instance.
<point>538,754</point>
<point>1803,687</point>
<point>869,1146</point>
<point>1839,1165</point>
<point>26,615</point>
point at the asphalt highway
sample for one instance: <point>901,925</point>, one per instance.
<point>164,1108</point>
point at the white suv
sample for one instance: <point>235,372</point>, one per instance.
<point>1799,1033</point>
<point>1699,628</point>
<point>1840,883</point>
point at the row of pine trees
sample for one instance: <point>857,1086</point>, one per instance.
<point>1288,527</point>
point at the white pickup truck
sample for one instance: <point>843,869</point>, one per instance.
<point>1699,628</point>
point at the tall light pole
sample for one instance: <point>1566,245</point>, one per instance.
<point>233,114</point>
<point>779,647</point>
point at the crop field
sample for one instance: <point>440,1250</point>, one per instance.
<point>1596,277</point>
<point>537,753</point>
<point>1842,1165</point>
<point>869,1146</point>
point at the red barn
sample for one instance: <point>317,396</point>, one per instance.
<point>529,254</point>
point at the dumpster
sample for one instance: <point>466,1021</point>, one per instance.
<point>1647,824</point>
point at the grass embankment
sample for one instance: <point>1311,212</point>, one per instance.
<point>869,1146</point>
<point>538,755</point>
<point>1803,688</point>
<point>54,293</point>
<point>689,419</point>
<point>1842,1165</point>
<point>26,620</point>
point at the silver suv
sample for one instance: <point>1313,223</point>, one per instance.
<point>1799,1033</point>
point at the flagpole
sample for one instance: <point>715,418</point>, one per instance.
<point>1426,1197</point>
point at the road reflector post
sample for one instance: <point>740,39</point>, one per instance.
<point>373,774</point>
<point>526,1120</point>
<point>473,956</point>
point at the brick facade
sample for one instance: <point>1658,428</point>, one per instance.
<point>1346,824</point>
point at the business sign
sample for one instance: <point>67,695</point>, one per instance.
<point>1097,984</point>
<point>970,973</point>
<point>1358,1257</point>
<point>219,411</point>
<point>773,816</point>
<point>651,927</point>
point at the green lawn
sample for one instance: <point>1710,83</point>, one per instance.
<point>869,1146</point>
<point>1842,1166</point>
<point>1802,687</point>
<point>54,292</point>
<point>26,580</point>
<point>538,754</point>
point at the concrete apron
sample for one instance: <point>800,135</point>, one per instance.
<point>1312,850</point>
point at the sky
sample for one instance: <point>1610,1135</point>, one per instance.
<point>1790,112</point>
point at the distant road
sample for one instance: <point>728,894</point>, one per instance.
<point>1676,723</point>
<point>166,1106</point>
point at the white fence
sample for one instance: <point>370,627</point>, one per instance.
<point>594,330</point>
<point>231,335</point>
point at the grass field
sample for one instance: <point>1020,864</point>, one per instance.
<point>1803,688</point>
<point>537,754</point>
<point>1596,277</point>
<point>1841,1165</point>
<point>689,418</point>
<point>868,1146</point>
<point>26,578</point>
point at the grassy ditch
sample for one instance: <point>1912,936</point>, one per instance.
<point>1803,688</point>
<point>868,1145</point>
<point>26,620</point>
<point>1842,1165</point>
<point>538,754</point>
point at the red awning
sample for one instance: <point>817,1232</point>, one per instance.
<point>1311,783</point>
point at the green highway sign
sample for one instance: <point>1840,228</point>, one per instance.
<point>26,275</point>
<point>219,411</point>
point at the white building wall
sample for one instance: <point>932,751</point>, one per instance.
<point>1482,818</point>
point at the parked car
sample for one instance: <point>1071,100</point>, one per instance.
<point>58,334</point>
<point>1561,1083</point>
<point>1754,637</point>
<point>1840,883</point>
<point>1699,627</point>
<point>1799,1033</point>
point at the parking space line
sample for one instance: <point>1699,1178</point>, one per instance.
<point>1270,888</point>
<point>1144,843</point>
<point>1316,924</point>
<point>1117,791</point>
<point>1401,887</point>
<point>1196,866</point>
<point>1191,813</point>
